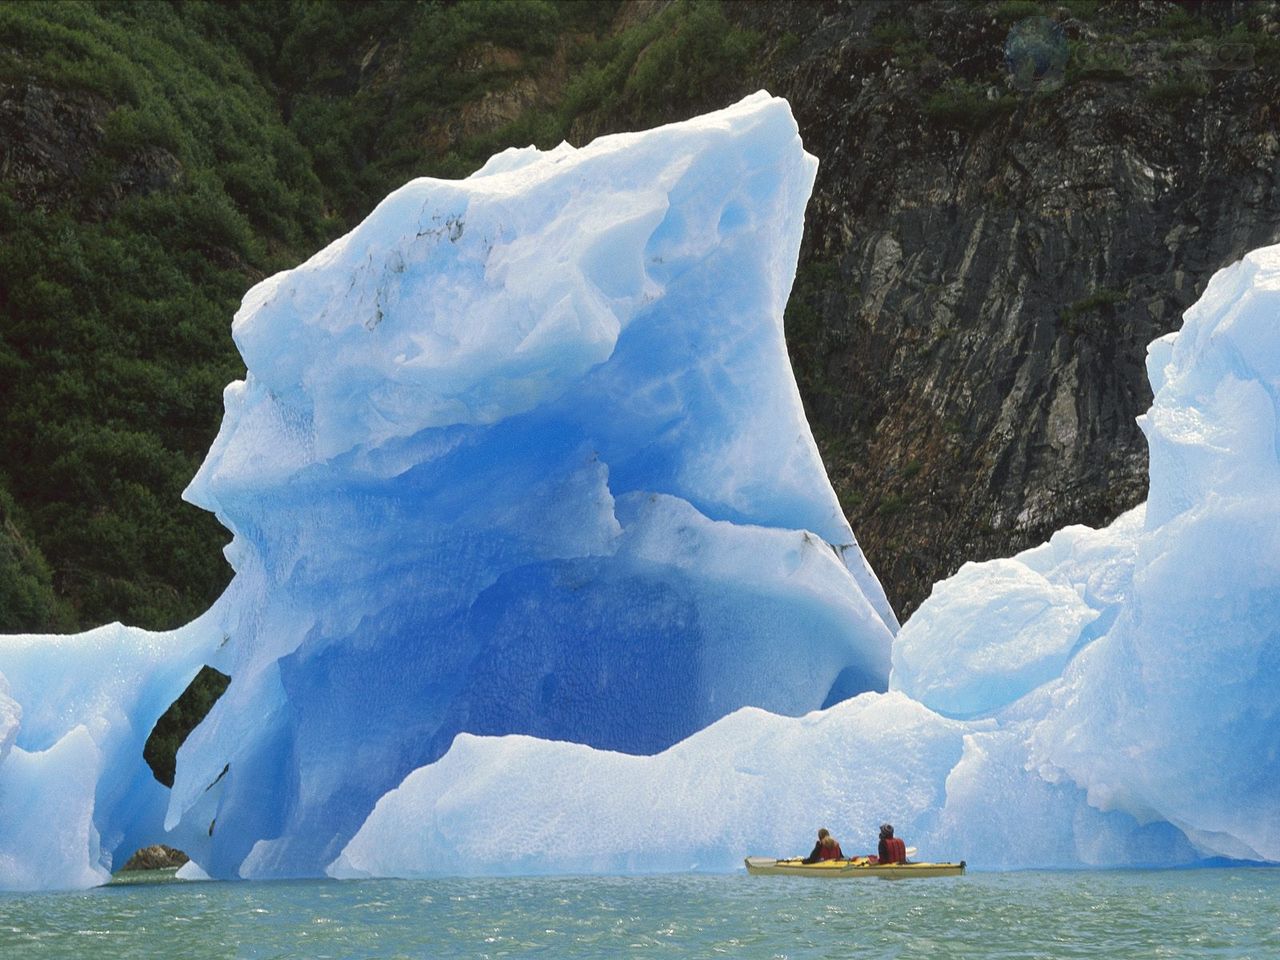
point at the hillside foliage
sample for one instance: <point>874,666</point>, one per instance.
<point>210,145</point>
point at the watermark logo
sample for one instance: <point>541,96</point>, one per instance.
<point>1035,53</point>
<point>1230,55</point>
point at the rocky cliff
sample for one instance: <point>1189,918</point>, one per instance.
<point>988,255</point>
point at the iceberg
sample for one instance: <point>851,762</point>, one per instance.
<point>537,569</point>
<point>520,454</point>
<point>752,781</point>
<point>1111,697</point>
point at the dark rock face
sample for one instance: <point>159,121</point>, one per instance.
<point>976,293</point>
<point>51,141</point>
<point>48,138</point>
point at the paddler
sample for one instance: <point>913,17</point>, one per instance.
<point>892,849</point>
<point>825,849</point>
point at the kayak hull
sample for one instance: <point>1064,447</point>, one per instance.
<point>845,869</point>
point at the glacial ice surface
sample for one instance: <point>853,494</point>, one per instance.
<point>1111,697</point>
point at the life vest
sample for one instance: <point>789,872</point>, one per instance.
<point>831,853</point>
<point>893,850</point>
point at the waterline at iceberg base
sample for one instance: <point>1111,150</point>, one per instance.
<point>538,570</point>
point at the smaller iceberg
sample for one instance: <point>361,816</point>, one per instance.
<point>76,796</point>
<point>1013,624</point>
<point>752,781</point>
<point>1174,713</point>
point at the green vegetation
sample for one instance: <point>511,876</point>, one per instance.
<point>1074,317</point>
<point>689,54</point>
<point>1081,9</point>
<point>1181,51</point>
<point>180,719</point>
<point>787,47</point>
<point>892,505</point>
<point>966,106</point>
<point>1099,63</point>
<point>811,340</point>
<point>1177,89</point>
<point>1101,297</point>
<point>687,58</point>
<point>897,37</point>
<point>892,32</point>
<point>115,315</point>
<point>1181,22</point>
<point>27,600</point>
<point>367,139</point>
<point>1009,11</point>
<point>212,145</point>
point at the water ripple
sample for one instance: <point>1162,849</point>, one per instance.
<point>1188,915</point>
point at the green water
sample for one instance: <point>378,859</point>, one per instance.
<point>1230,913</point>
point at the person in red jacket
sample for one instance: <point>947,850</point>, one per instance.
<point>892,849</point>
<point>825,849</point>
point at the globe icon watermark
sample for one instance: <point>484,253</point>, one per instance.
<point>1035,53</point>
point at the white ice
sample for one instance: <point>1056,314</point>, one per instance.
<point>76,796</point>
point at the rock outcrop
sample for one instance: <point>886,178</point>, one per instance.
<point>984,265</point>
<point>51,142</point>
<point>155,857</point>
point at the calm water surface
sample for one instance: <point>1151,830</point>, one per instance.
<point>1230,913</point>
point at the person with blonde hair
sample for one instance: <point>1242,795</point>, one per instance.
<point>825,849</point>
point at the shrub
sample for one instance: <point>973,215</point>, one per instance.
<point>1178,89</point>
<point>1007,11</point>
<point>180,719</point>
<point>1101,300</point>
<point>1099,63</point>
<point>960,105</point>
<point>892,32</point>
<point>892,505</point>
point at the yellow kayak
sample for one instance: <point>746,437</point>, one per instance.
<point>857,867</point>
